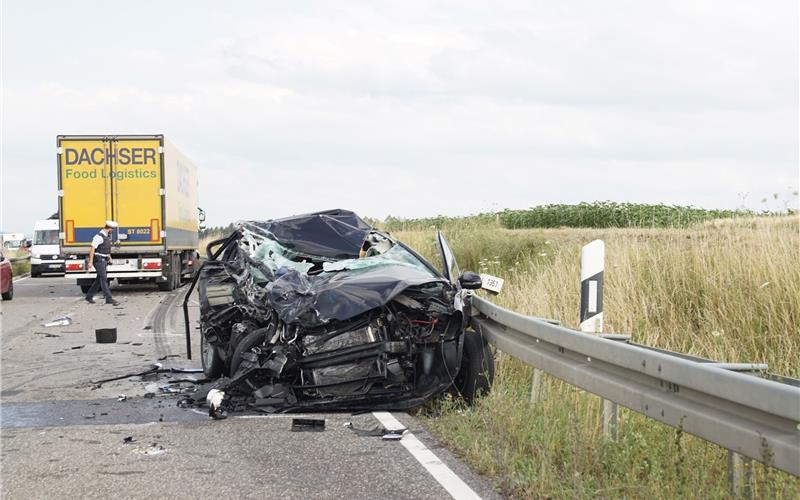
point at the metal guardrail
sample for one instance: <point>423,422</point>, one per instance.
<point>732,405</point>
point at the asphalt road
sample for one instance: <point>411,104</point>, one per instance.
<point>62,434</point>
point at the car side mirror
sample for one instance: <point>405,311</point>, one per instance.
<point>470,281</point>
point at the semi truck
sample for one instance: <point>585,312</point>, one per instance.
<point>144,184</point>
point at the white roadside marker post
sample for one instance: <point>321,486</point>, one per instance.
<point>591,315</point>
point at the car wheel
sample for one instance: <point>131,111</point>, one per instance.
<point>252,339</point>
<point>476,374</point>
<point>10,293</point>
<point>212,362</point>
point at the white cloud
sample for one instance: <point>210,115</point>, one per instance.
<point>417,109</point>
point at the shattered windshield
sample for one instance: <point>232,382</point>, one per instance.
<point>378,250</point>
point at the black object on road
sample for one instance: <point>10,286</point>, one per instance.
<point>308,425</point>
<point>106,335</point>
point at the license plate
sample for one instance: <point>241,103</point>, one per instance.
<point>54,265</point>
<point>123,264</point>
<point>491,283</point>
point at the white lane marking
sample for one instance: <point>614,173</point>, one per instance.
<point>454,485</point>
<point>20,279</point>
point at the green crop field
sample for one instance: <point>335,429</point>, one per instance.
<point>601,214</point>
<point>723,289</point>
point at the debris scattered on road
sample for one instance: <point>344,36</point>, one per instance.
<point>155,368</point>
<point>59,352</point>
<point>128,440</point>
<point>308,425</point>
<point>162,358</point>
<point>214,400</point>
<point>47,334</point>
<point>186,370</point>
<point>122,397</point>
<point>149,395</point>
<point>186,403</point>
<point>105,335</point>
<point>61,321</point>
<point>154,449</point>
<point>78,347</point>
<point>378,431</point>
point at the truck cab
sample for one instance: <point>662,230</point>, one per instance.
<point>46,257</point>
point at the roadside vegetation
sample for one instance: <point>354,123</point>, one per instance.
<point>598,214</point>
<point>724,289</point>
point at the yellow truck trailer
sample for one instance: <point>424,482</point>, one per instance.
<point>144,184</point>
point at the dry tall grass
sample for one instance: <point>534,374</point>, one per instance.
<point>726,290</point>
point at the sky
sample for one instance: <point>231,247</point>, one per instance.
<point>412,108</point>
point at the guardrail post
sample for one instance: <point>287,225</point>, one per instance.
<point>592,267</point>
<point>740,476</point>
<point>536,386</point>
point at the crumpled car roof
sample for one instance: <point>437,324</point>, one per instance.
<point>336,233</point>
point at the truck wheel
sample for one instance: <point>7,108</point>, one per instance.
<point>176,270</point>
<point>10,293</point>
<point>169,284</point>
<point>209,355</point>
<point>476,374</point>
<point>173,276</point>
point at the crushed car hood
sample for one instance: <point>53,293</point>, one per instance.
<point>315,300</point>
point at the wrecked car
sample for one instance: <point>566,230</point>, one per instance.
<point>323,312</point>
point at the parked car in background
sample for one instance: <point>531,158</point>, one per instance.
<point>46,255</point>
<point>6,278</point>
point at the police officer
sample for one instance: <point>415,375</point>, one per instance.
<point>99,258</point>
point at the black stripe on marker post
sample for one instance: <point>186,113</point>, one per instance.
<point>591,296</point>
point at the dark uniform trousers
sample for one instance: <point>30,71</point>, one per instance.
<point>100,265</point>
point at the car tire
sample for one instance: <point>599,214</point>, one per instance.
<point>10,293</point>
<point>476,374</point>
<point>252,339</point>
<point>209,355</point>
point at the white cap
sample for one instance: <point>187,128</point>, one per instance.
<point>111,223</point>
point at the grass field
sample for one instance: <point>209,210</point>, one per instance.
<point>727,290</point>
<point>597,214</point>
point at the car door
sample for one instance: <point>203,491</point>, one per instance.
<point>451,270</point>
